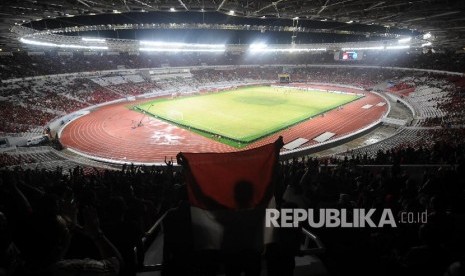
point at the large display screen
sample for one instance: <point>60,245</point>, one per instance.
<point>348,55</point>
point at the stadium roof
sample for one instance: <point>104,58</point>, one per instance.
<point>445,20</point>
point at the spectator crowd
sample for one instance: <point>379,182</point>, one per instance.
<point>87,222</point>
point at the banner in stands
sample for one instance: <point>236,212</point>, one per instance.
<point>213,179</point>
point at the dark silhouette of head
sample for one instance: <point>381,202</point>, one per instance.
<point>438,204</point>
<point>429,235</point>
<point>4,233</point>
<point>116,209</point>
<point>243,194</point>
<point>44,240</point>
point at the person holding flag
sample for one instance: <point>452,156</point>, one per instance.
<point>228,194</point>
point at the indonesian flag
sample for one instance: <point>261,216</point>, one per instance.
<point>213,177</point>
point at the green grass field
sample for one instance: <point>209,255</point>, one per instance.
<point>244,115</point>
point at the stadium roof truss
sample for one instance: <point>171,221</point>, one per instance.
<point>444,20</point>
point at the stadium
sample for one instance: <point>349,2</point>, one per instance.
<point>153,137</point>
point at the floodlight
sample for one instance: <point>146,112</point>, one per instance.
<point>263,48</point>
<point>148,49</point>
<point>257,46</point>
<point>364,48</point>
<point>397,47</point>
<point>89,39</point>
<point>405,40</point>
<point>180,45</point>
<point>73,46</point>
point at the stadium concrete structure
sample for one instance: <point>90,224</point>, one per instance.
<point>151,45</point>
<point>78,146</point>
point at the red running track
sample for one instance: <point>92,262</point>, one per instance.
<point>108,132</point>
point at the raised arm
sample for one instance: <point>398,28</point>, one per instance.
<point>92,228</point>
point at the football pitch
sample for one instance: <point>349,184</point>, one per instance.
<point>243,115</point>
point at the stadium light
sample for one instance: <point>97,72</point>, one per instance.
<point>298,50</point>
<point>396,47</point>
<point>399,47</point>
<point>172,9</point>
<point>72,46</point>
<point>427,36</point>
<point>257,46</point>
<point>38,43</point>
<point>181,45</point>
<point>231,12</point>
<point>148,49</point>
<point>405,40</point>
<point>263,48</point>
<point>364,48</point>
<point>426,44</point>
<point>89,39</point>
